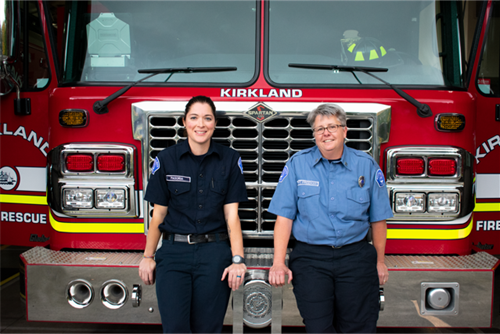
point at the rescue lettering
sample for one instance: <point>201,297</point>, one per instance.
<point>488,225</point>
<point>20,217</point>
<point>487,146</point>
<point>21,132</point>
<point>241,92</point>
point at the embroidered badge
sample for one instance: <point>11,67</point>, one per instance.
<point>380,178</point>
<point>284,174</point>
<point>156,166</point>
<point>240,164</point>
<point>361,181</point>
<point>178,178</point>
<point>308,183</point>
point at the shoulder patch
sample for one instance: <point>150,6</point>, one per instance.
<point>240,164</point>
<point>380,178</point>
<point>284,174</point>
<point>156,166</point>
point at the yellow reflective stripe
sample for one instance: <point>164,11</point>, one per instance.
<point>23,199</point>
<point>382,51</point>
<point>353,45</point>
<point>7,280</point>
<point>428,234</point>
<point>373,54</point>
<point>483,207</point>
<point>359,56</point>
<point>95,227</point>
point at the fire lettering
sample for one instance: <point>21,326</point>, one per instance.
<point>488,225</point>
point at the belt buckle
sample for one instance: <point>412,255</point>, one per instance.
<point>337,247</point>
<point>189,240</point>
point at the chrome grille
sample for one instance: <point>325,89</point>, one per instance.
<point>264,148</point>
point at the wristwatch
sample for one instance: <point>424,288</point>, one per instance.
<point>238,259</point>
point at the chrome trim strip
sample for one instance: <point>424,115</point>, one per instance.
<point>59,178</point>
<point>461,182</point>
<point>425,152</point>
<point>420,221</point>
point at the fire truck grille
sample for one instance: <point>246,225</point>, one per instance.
<point>264,149</point>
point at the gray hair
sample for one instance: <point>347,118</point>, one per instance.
<point>327,110</point>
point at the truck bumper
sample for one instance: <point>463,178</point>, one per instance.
<point>104,287</point>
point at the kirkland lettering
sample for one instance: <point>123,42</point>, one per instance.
<point>488,146</point>
<point>32,137</point>
<point>280,93</point>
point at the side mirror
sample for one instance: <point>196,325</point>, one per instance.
<point>7,21</point>
<point>7,42</point>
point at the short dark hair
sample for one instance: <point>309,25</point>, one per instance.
<point>200,99</point>
<point>327,109</point>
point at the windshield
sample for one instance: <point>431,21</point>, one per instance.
<point>417,41</point>
<point>111,40</point>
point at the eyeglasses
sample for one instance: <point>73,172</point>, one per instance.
<point>332,128</point>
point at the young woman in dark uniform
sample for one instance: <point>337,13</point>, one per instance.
<point>201,182</point>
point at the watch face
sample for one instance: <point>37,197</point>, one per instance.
<point>237,259</point>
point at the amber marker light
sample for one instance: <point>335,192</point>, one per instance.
<point>450,122</point>
<point>76,118</point>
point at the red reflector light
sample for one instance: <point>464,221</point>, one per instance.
<point>442,167</point>
<point>79,163</point>
<point>410,166</point>
<point>110,163</point>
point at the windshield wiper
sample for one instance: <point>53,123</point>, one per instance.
<point>101,107</point>
<point>423,110</point>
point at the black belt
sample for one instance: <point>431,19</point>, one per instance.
<point>354,243</point>
<point>196,238</point>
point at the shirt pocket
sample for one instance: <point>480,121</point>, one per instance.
<point>308,202</point>
<point>218,190</point>
<point>179,194</point>
<point>358,203</point>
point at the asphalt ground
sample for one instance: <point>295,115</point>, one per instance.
<point>13,313</point>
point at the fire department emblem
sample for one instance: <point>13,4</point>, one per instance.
<point>261,112</point>
<point>8,178</point>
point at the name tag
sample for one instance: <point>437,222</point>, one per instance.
<point>178,178</point>
<point>308,183</point>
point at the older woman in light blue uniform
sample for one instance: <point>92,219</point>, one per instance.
<point>329,196</point>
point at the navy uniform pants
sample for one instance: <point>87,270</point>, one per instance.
<point>191,296</point>
<point>337,290</point>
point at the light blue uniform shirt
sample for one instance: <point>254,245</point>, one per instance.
<point>331,203</point>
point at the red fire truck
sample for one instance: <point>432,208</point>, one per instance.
<point>93,90</point>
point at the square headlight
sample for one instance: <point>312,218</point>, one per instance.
<point>409,202</point>
<point>443,202</point>
<point>77,198</point>
<point>110,198</point>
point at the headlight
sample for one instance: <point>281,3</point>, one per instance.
<point>78,198</point>
<point>410,202</point>
<point>110,198</point>
<point>443,202</point>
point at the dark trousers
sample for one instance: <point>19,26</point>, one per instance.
<point>191,295</point>
<point>337,290</point>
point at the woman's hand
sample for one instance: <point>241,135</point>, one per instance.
<point>277,275</point>
<point>235,275</point>
<point>383,273</point>
<point>147,270</point>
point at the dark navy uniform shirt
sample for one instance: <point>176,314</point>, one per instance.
<point>331,203</point>
<point>195,189</point>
